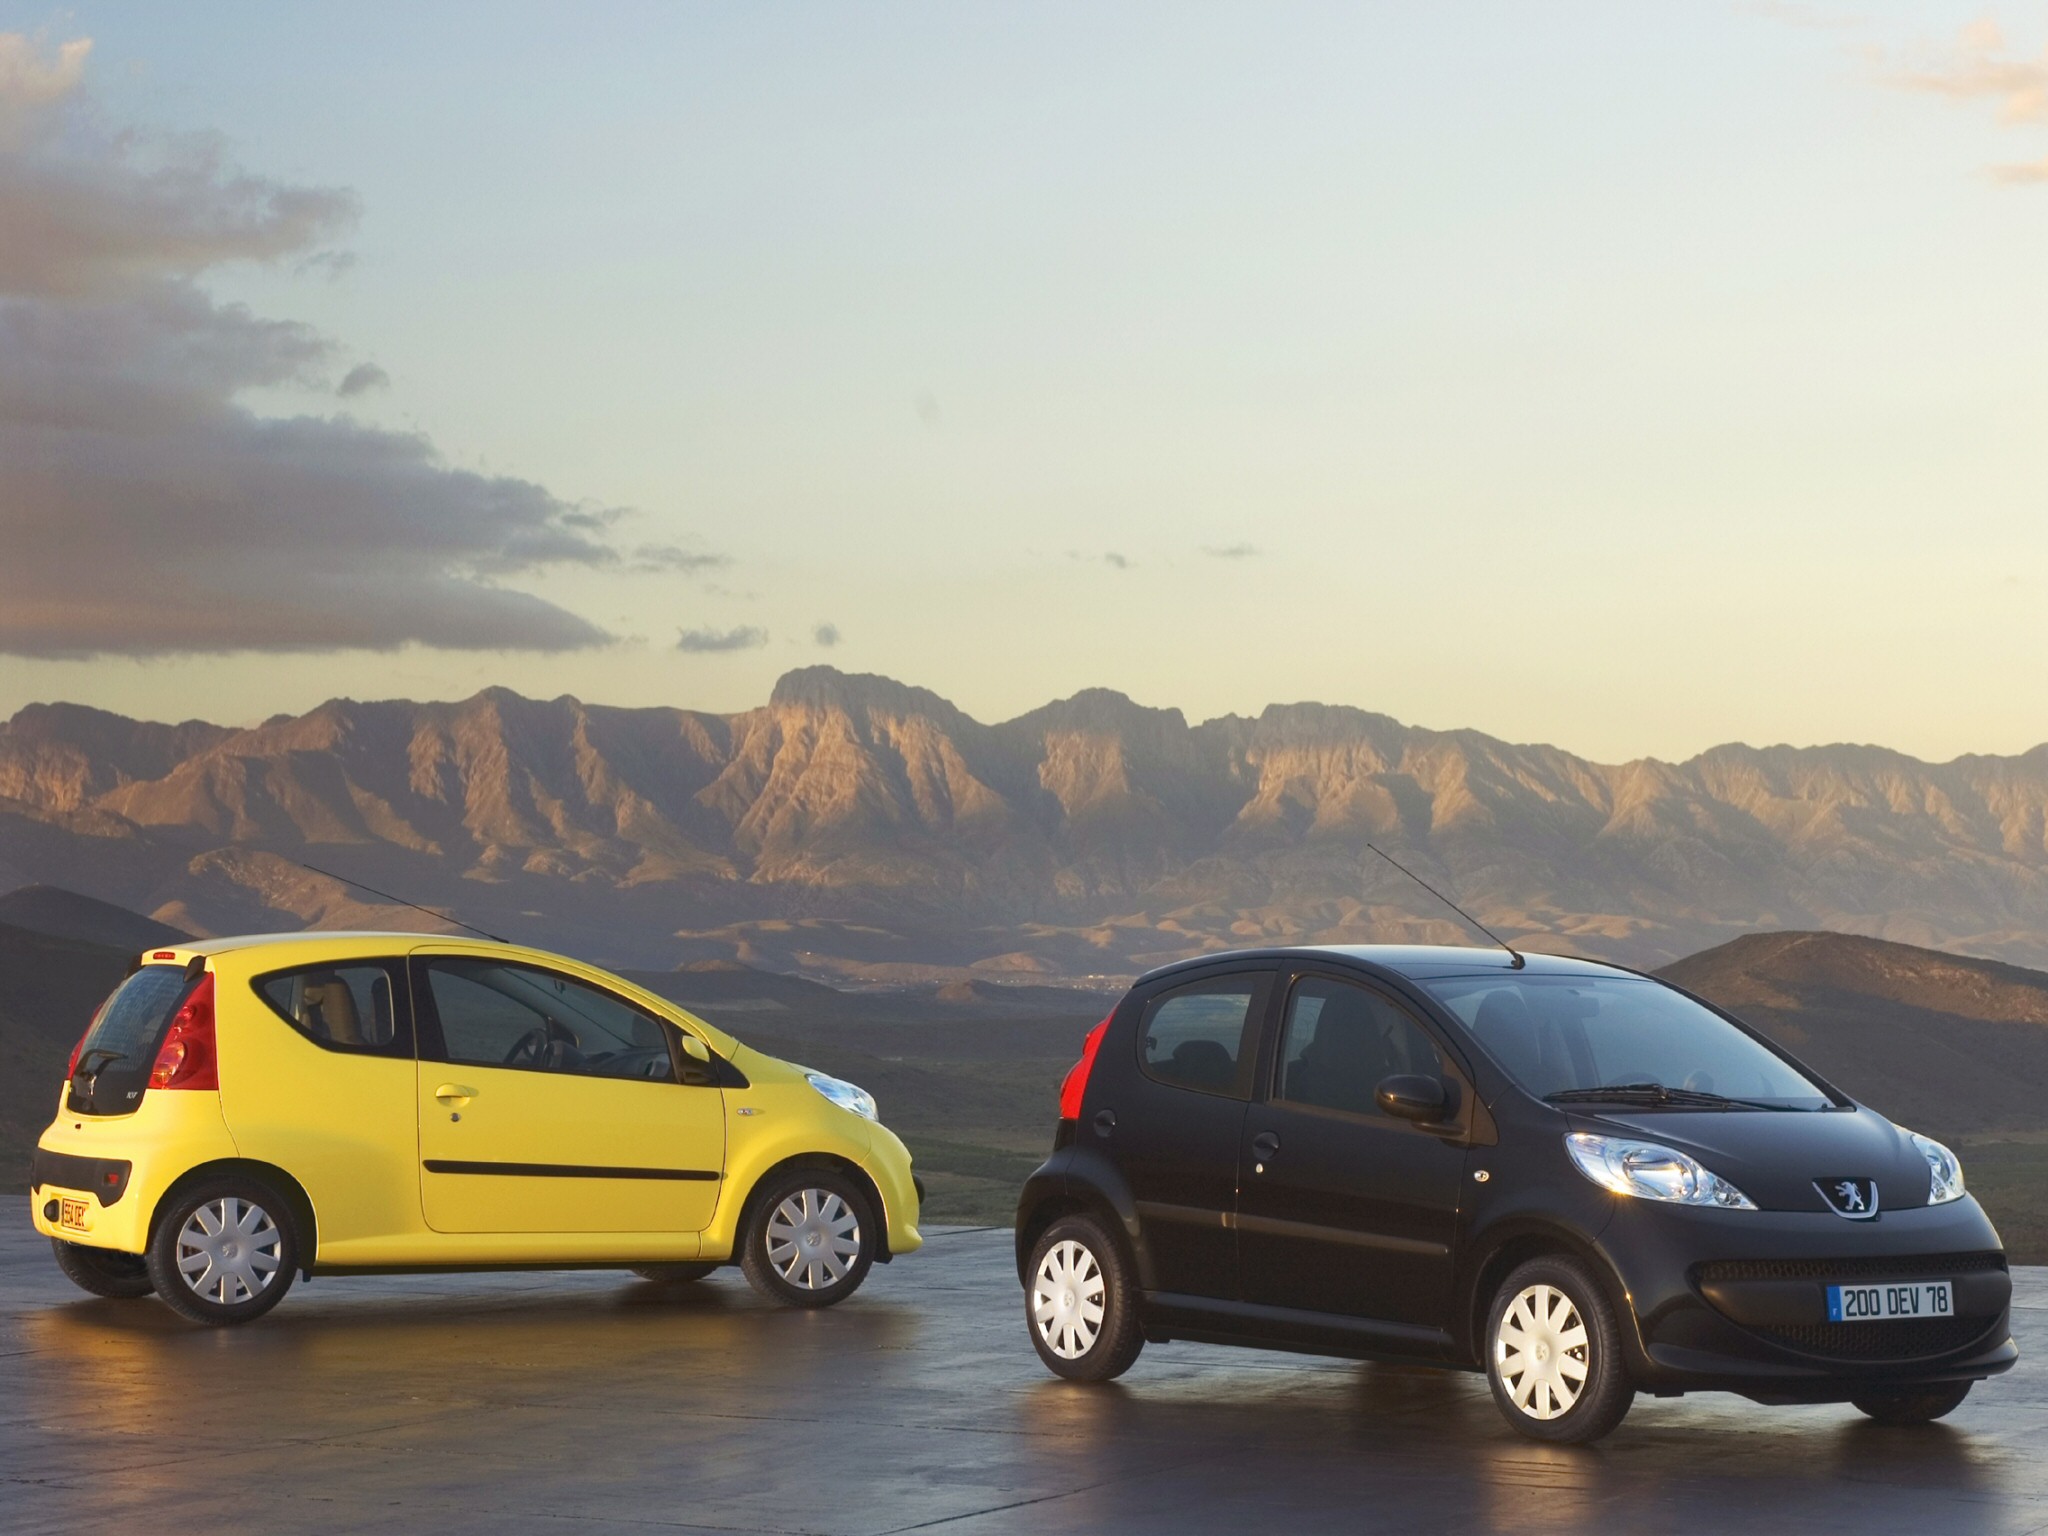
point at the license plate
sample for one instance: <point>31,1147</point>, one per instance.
<point>71,1215</point>
<point>1882,1303</point>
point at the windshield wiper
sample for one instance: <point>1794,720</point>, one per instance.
<point>1655,1093</point>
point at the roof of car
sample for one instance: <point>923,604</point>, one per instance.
<point>1416,961</point>
<point>344,937</point>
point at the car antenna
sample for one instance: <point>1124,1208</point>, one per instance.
<point>387,896</point>
<point>1513,953</point>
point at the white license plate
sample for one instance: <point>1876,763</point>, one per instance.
<point>1882,1303</point>
<point>71,1215</point>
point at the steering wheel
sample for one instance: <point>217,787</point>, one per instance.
<point>547,1045</point>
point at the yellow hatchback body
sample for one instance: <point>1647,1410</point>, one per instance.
<point>245,1110</point>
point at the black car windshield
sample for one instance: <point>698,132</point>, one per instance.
<point>1591,1038</point>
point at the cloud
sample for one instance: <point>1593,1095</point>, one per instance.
<point>2027,173</point>
<point>826,635</point>
<point>143,508</point>
<point>708,641</point>
<point>1117,560</point>
<point>1977,68</point>
<point>648,558</point>
<point>361,379</point>
<point>1230,551</point>
<point>1973,70</point>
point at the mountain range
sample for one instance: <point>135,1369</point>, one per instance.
<point>856,828</point>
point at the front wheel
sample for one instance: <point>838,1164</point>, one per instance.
<point>809,1239</point>
<point>1081,1302</point>
<point>1921,1405</point>
<point>1553,1353</point>
<point>224,1252</point>
<point>104,1271</point>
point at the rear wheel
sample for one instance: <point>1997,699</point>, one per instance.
<point>809,1239</point>
<point>224,1252</point>
<point>673,1274</point>
<point>104,1271</point>
<point>1081,1302</point>
<point>1920,1405</point>
<point>1553,1353</point>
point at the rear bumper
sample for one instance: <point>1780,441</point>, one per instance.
<point>122,1165</point>
<point>1737,1300</point>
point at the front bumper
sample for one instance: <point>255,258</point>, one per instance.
<point>1736,1300</point>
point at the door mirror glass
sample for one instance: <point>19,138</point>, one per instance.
<point>1408,1096</point>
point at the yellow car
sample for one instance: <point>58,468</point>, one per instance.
<point>243,1111</point>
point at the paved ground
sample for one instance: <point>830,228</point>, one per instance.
<point>559,1402</point>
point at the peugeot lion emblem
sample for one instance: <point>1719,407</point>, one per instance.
<point>1853,1198</point>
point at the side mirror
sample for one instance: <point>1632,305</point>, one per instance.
<point>1408,1097</point>
<point>696,1049</point>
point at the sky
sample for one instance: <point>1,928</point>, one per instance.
<point>1633,378</point>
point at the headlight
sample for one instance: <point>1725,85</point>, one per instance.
<point>1944,1172</point>
<point>1650,1172</point>
<point>844,1094</point>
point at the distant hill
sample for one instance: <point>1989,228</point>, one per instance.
<point>1953,1046</point>
<point>856,829</point>
<point>51,910</point>
<point>1950,1046</point>
<point>49,988</point>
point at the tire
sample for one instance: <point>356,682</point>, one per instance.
<point>104,1271</point>
<point>1553,1353</point>
<point>1916,1405</point>
<point>809,1238</point>
<point>225,1251</point>
<point>673,1274</point>
<point>1081,1302</point>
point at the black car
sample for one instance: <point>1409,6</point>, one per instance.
<point>1581,1180</point>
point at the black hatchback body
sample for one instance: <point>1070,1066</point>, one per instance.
<point>1575,1178</point>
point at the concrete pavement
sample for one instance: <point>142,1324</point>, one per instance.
<point>558,1402</point>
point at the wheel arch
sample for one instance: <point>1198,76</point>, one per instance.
<point>1085,1186</point>
<point>837,1164</point>
<point>1511,1248</point>
<point>299,1204</point>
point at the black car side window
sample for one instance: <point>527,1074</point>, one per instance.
<point>356,1007</point>
<point>1200,1036</point>
<point>1341,1041</point>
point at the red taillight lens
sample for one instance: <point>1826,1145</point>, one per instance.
<point>1076,1085</point>
<point>187,1059</point>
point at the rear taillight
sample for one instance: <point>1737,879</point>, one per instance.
<point>187,1059</point>
<point>1076,1085</point>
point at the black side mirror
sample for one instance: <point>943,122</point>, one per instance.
<point>1410,1097</point>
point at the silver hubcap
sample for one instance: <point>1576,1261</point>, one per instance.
<point>1066,1300</point>
<point>813,1239</point>
<point>229,1250</point>
<point>1541,1352</point>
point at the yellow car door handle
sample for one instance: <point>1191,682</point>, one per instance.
<point>454,1093</point>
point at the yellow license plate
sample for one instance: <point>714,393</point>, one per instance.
<point>71,1215</point>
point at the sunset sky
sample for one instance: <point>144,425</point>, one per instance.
<point>1631,377</point>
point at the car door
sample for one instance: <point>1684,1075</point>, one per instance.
<point>1171,1112</point>
<point>550,1104</point>
<point>1344,1208</point>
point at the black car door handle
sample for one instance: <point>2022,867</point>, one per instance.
<point>1265,1144</point>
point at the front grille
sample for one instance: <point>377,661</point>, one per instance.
<point>1929,1266</point>
<point>1910,1339</point>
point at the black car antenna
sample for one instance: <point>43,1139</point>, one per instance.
<point>387,896</point>
<point>1513,953</point>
